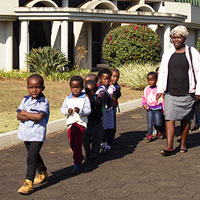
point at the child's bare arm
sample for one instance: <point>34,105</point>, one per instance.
<point>33,116</point>
<point>22,117</point>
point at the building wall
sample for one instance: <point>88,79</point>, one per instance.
<point>191,40</point>
<point>2,45</point>
<point>7,7</point>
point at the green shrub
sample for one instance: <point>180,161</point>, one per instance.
<point>198,44</point>
<point>135,75</point>
<point>46,60</point>
<point>54,76</point>
<point>14,75</point>
<point>131,43</point>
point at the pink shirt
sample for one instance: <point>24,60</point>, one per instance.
<point>149,98</point>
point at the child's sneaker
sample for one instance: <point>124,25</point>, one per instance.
<point>160,135</point>
<point>108,147</point>
<point>195,127</point>
<point>26,188</point>
<point>154,134</point>
<point>76,169</point>
<point>40,178</point>
<point>149,138</point>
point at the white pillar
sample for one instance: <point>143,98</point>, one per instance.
<point>114,2</point>
<point>23,47</point>
<point>89,35</point>
<point>65,3</point>
<point>166,37</point>
<point>9,46</point>
<point>64,38</point>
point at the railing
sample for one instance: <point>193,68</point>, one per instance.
<point>193,2</point>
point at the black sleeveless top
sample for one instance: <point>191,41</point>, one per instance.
<point>178,79</point>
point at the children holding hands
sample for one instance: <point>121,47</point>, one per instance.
<point>90,115</point>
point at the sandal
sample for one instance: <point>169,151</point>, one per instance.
<point>183,150</point>
<point>167,153</point>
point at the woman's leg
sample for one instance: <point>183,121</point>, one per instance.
<point>170,131</point>
<point>185,126</point>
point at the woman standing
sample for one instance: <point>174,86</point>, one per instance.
<point>176,83</point>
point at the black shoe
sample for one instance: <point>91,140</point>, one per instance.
<point>167,153</point>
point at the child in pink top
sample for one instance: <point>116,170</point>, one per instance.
<point>153,107</point>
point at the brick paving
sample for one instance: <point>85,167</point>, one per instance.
<point>132,170</point>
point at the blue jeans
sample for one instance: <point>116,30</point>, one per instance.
<point>154,117</point>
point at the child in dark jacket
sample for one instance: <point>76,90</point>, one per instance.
<point>117,93</point>
<point>94,133</point>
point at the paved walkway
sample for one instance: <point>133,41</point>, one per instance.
<point>132,170</point>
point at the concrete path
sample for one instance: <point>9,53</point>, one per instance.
<point>132,170</point>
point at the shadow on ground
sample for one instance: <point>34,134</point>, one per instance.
<point>125,144</point>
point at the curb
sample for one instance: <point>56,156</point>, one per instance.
<point>10,138</point>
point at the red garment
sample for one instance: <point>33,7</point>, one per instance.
<point>75,135</point>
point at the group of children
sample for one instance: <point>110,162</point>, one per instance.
<point>90,112</point>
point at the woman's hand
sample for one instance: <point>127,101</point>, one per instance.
<point>159,95</point>
<point>197,97</point>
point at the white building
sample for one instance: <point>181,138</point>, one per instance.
<point>68,24</point>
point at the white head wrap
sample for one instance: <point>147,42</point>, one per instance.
<point>182,30</point>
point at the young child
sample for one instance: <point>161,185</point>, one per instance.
<point>108,114</point>
<point>116,94</point>
<point>76,107</point>
<point>94,132</point>
<point>91,77</point>
<point>153,107</point>
<point>33,113</point>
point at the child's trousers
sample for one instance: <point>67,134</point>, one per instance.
<point>154,117</point>
<point>93,136</point>
<point>34,160</point>
<point>75,135</point>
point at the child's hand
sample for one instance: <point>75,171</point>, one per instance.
<point>70,111</point>
<point>146,107</point>
<point>76,109</point>
<point>23,112</point>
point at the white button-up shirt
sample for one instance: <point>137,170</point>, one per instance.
<point>30,130</point>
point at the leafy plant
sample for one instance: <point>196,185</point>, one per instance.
<point>14,75</point>
<point>135,75</point>
<point>131,43</point>
<point>46,60</point>
<point>198,44</point>
<point>81,53</point>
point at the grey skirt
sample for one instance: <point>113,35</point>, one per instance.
<point>179,107</point>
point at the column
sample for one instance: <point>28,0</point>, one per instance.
<point>89,35</point>
<point>9,46</point>
<point>64,38</point>
<point>23,47</point>
<point>114,2</point>
<point>65,3</point>
<point>166,37</point>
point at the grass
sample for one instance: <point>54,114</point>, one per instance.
<point>12,92</point>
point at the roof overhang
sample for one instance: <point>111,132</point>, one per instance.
<point>97,15</point>
<point>8,18</point>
